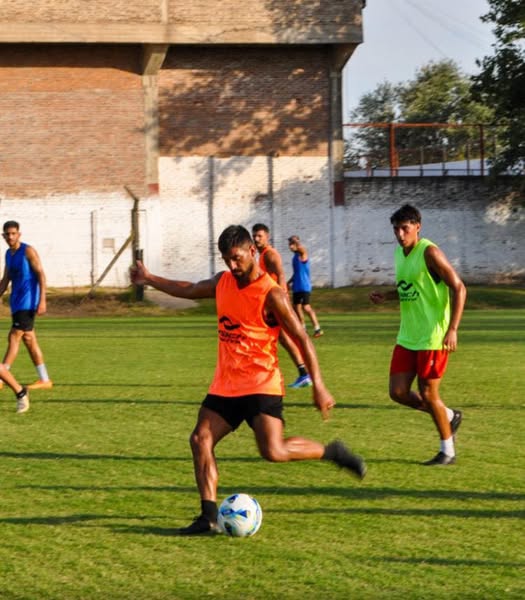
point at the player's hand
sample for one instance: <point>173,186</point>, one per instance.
<point>42,308</point>
<point>324,401</point>
<point>450,341</point>
<point>138,273</point>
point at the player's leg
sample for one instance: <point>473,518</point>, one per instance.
<point>274,447</point>
<point>403,371</point>
<point>211,427</point>
<point>318,332</point>
<point>22,398</point>
<point>431,367</point>
<point>209,430</point>
<point>31,343</point>
<point>400,391</point>
<point>298,307</point>
<point>445,419</point>
<point>303,379</point>
<point>14,338</point>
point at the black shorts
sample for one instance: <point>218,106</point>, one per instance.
<point>301,297</point>
<point>235,410</point>
<point>24,320</point>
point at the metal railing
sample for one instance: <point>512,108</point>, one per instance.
<point>420,149</point>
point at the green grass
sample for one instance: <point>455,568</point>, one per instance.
<point>98,474</point>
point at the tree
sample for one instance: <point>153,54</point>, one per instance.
<point>439,93</point>
<point>371,144</point>
<point>501,81</point>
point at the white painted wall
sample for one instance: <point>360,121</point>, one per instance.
<point>480,226</point>
<point>202,196</point>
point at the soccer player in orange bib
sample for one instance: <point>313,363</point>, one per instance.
<point>248,385</point>
<point>270,262</point>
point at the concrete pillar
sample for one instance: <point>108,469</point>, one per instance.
<point>153,56</point>
<point>340,55</point>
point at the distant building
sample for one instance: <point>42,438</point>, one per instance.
<point>212,112</point>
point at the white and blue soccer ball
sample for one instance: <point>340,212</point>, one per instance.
<point>240,515</point>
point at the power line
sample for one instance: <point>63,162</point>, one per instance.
<point>452,24</point>
<point>425,38</point>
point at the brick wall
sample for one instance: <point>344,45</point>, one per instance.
<point>244,102</point>
<point>71,119</point>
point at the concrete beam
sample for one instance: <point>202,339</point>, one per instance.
<point>165,33</point>
<point>341,53</point>
<point>153,56</point>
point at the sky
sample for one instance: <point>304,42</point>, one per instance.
<point>402,35</point>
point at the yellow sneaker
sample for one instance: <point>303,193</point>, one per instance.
<point>41,385</point>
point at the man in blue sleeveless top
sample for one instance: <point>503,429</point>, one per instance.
<point>301,283</point>
<point>28,299</point>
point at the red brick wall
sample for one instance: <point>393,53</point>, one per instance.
<point>244,101</point>
<point>71,119</point>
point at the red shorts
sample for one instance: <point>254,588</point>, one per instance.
<point>428,364</point>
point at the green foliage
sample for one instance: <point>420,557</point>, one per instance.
<point>98,474</point>
<point>439,93</point>
<point>501,81</point>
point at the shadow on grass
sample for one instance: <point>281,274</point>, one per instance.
<point>66,519</point>
<point>65,456</point>
<point>353,493</point>
<point>461,513</point>
<point>110,385</point>
<point>425,561</point>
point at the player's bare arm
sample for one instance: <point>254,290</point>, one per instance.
<point>278,304</point>
<point>274,266</point>
<point>439,265</point>
<point>36,266</point>
<point>140,275</point>
<point>303,253</point>
<point>4,282</point>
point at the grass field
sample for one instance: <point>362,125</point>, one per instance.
<point>98,474</point>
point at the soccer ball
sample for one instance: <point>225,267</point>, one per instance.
<point>240,515</point>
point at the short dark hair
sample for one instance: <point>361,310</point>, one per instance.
<point>259,227</point>
<point>293,239</point>
<point>233,236</point>
<point>11,225</point>
<point>406,213</point>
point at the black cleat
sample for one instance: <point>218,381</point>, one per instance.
<point>342,456</point>
<point>456,421</point>
<point>441,459</point>
<point>200,526</point>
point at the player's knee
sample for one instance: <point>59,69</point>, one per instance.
<point>397,394</point>
<point>199,439</point>
<point>28,338</point>
<point>274,454</point>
